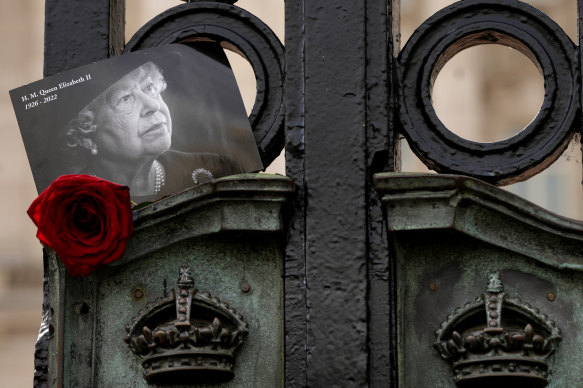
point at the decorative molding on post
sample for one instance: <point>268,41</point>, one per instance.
<point>432,202</point>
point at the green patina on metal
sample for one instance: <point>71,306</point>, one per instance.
<point>449,235</point>
<point>229,233</point>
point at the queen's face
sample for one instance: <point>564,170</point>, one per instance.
<point>132,120</point>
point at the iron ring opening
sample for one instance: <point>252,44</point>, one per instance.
<point>471,23</point>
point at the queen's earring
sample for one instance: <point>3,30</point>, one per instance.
<point>93,149</point>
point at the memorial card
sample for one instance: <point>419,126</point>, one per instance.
<point>158,120</point>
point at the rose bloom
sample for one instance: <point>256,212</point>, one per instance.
<point>85,220</point>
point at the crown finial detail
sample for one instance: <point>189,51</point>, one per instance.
<point>512,345</point>
<point>495,285</point>
<point>187,336</point>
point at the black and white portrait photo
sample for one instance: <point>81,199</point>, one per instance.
<point>158,120</point>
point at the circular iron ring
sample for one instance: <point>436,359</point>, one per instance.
<point>470,23</point>
<point>243,33</point>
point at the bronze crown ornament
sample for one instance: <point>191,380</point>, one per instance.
<point>187,337</point>
<point>511,350</point>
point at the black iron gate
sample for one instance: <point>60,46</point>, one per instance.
<point>338,98</point>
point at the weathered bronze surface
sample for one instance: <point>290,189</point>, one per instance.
<point>227,232</point>
<point>456,232</point>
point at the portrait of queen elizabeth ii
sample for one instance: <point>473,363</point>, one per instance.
<point>121,125</point>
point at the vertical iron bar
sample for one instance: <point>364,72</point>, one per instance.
<point>326,133</point>
<point>335,135</point>
<point>296,313</point>
<point>340,62</point>
<point>382,155</point>
<point>79,32</point>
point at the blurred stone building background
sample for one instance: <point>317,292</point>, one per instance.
<point>485,93</point>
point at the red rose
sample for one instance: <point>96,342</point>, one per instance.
<point>85,220</point>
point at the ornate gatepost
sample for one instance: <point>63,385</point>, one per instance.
<point>197,298</point>
<point>488,285</point>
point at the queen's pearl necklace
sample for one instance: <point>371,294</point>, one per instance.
<point>160,177</point>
